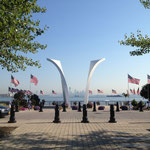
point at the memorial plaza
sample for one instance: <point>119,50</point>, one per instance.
<point>35,130</point>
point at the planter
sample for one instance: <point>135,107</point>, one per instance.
<point>74,108</point>
<point>36,108</point>
<point>89,105</point>
<point>101,107</point>
<point>23,109</point>
<point>124,107</point>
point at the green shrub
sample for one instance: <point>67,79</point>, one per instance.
<point>134,102</point>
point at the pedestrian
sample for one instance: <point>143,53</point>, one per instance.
<point>29,105</point>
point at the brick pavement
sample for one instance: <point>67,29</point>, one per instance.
<point>36,131</point>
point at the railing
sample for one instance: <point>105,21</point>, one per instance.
<point>105,103</point>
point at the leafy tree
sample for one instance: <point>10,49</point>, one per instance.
<point>19,99</point>
<point>141,42</point>
<point>35,100</point>
<point>125,95</point>
<point>19,95</point>
<point>145,92</point>
<point>18,32</point>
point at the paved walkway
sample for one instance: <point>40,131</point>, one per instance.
<point>36,131</point>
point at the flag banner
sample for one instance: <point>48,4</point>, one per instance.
<point>99,91</point>
<point>114,91</point>
<point>133,80</point>
<point>10,89</point>
<point>90,92</point>
<point>138,91</point>
<point>53,92</point>
<point>34,80</point>
<point>28,92</point>
<point>14,81</point>
<point>41,92</point>
<point>148,79</point>
<point>13,90</point>
<point>131,91</point>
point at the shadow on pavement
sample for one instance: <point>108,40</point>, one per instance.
<point>94,140</point>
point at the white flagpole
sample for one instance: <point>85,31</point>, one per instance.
<point>128,87</point>
<point>148,86</point>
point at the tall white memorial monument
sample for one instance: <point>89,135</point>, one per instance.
<point>57,63</point>
<point>93,65</point>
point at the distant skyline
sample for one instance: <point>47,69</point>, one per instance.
<point>81,31</point>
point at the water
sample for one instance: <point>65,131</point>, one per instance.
<point>103,99</point>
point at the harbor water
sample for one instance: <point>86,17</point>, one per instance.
<point>102,99</point>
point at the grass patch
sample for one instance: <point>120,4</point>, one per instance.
<point>6,131</point>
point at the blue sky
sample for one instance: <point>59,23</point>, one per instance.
<point>81,31</point>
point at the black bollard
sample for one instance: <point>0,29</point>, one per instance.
<point>41,107</point>
<point>94,108</point>
<point>79,107</point>
<point>140,106</point>
<point>56,119</point>
<point>112,114</point>
<point>64,107</point>
<point>85,119</point>
<point>16,107</point>
<point>12,115</point>
<point>117,107</point>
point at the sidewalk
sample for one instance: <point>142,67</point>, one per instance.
<point>36,131</point>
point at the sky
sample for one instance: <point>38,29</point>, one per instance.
<point>81,31</point>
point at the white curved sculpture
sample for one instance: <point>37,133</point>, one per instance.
<point>57,63</point>
<point>93,66</point>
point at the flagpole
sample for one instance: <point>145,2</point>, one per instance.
<point>128,87</point>
<point>148,87</point>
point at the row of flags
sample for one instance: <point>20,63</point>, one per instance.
<point>42,93</point>
<point>33,79</point>
<point>137,81</point>
<point>14,90</point>
<point>101,91</point>
<point>134,92</point>
<point>27,92</point>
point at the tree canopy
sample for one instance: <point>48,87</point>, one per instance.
<point>138,40</point>
<point>145,91</point>
<point>18,31</point>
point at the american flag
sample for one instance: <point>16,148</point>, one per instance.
<point>34,80</point>
<point>28,92</point>
<point>133,91</point>
<point>14,81</point>
<point>10,89</point>
<point>99,91</point>
<point>133,80</point>
<point>90,92</point>
<point>148,78</point>
<point>53,92</point>
<point>41,92</point>
<point>138,91</point>
<point>114,91</point>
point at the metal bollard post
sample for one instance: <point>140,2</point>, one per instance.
<point>12,115</point>
<point>117,107</point>
<point>64,107</point>
<point>56,119</point>
<point>94,108</point>
<point>112,114</point>
<point>79,107</point>
<point>85,119</point>
<point>41,107</point>
<point>141,106</point>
